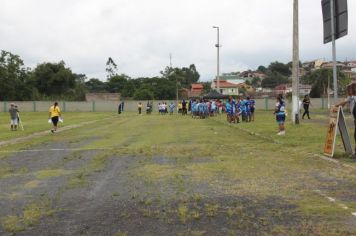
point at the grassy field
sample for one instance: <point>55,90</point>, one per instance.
<point>173,175</point>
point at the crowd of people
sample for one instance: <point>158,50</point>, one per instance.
<point>204,108</point>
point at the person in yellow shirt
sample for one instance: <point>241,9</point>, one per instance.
<point>54,115</point>
<point>139,106</point>
<point>180,107</point>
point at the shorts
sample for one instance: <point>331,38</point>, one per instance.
<point>252,109</point>
<point>281,118</point>
<point>55,120</point>
<point>14,121</point>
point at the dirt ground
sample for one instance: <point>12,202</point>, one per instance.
<point>65,188</point>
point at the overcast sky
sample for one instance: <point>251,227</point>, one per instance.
<point>140,34</point>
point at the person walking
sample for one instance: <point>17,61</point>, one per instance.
<point>306,104</point>
<point>54,115</point>
<point>280,114</point>
<point>13,117</point>
<point>139,106</point>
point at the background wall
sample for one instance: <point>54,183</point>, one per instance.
<point>110,106</point>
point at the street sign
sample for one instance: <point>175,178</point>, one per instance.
<point>337,120</point>
<point>340,16</point>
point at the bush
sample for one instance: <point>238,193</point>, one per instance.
<point>143,94</point>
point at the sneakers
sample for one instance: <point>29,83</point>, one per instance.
<point>282,133</point>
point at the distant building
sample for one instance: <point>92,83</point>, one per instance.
<point>196,90</point>
<point>313,65</point>
<point>329,65</point>
<point>304,89</point>
<point>102,97</point>
<point>283,89</point>
<point>226,88</point>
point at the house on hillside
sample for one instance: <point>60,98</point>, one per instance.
<point>283,89</point>
<point>304,89</point>
<point>196,90</point>
<point>226,88</point>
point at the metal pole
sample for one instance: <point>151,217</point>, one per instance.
<point>332,7</point>
<point>218,66</point>
<point>218,59</point>
<point>295,70</point>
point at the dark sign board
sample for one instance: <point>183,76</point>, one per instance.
<point>340,16</point>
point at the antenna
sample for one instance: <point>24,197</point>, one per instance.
<point>170,60</point>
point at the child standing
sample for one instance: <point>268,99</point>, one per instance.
<point>139,106</point>
<point>171,108</point>
<point>280,115</point>
<point>13,117</point>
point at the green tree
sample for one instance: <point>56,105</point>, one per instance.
<point>274,79</point>
<point>281,68</point>
<point>130,88</point>
<point>111,68</point>
<point>116,84</point>
<point>14,78</point>
<point>95,86</point>
<point>53,79</point>
<point>256,82</point>
<point>318,79</point>
<point>262,69</point>
<point>143,94</point>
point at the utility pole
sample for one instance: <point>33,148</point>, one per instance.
<point>332,6</point>
<point>295,70</point>
<point>218,46</point>
<point>171,67</point>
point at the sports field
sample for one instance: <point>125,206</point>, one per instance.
<point>105,174</point>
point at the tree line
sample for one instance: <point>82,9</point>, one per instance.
<point>279,73</point>
<point>56,81</point>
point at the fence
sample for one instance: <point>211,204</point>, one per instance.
<point>111,106</point>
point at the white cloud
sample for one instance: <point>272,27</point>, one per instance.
<point>140,34</point>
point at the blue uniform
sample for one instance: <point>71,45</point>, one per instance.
<point>229,108</point>
<point>280,113</point>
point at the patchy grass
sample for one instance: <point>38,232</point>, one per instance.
<point>37,122</point>
<point>13,224</point>
<point>78,180</point>
<point>204,161</point>
<point>30,216</point>
<point>46,174</point>
<point>32,184</point>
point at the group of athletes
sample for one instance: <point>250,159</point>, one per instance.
<point>243,108</point>
<point>204,108</point>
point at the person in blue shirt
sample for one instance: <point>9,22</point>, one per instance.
<point>171,108</point>
<point>194,108</point>
<point>237,110</point>
<point>229,110</point>
<point>280,112</point>
<point>243,110</point>
<point>252,108</point>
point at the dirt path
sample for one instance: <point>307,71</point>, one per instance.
<point>42,133</point>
